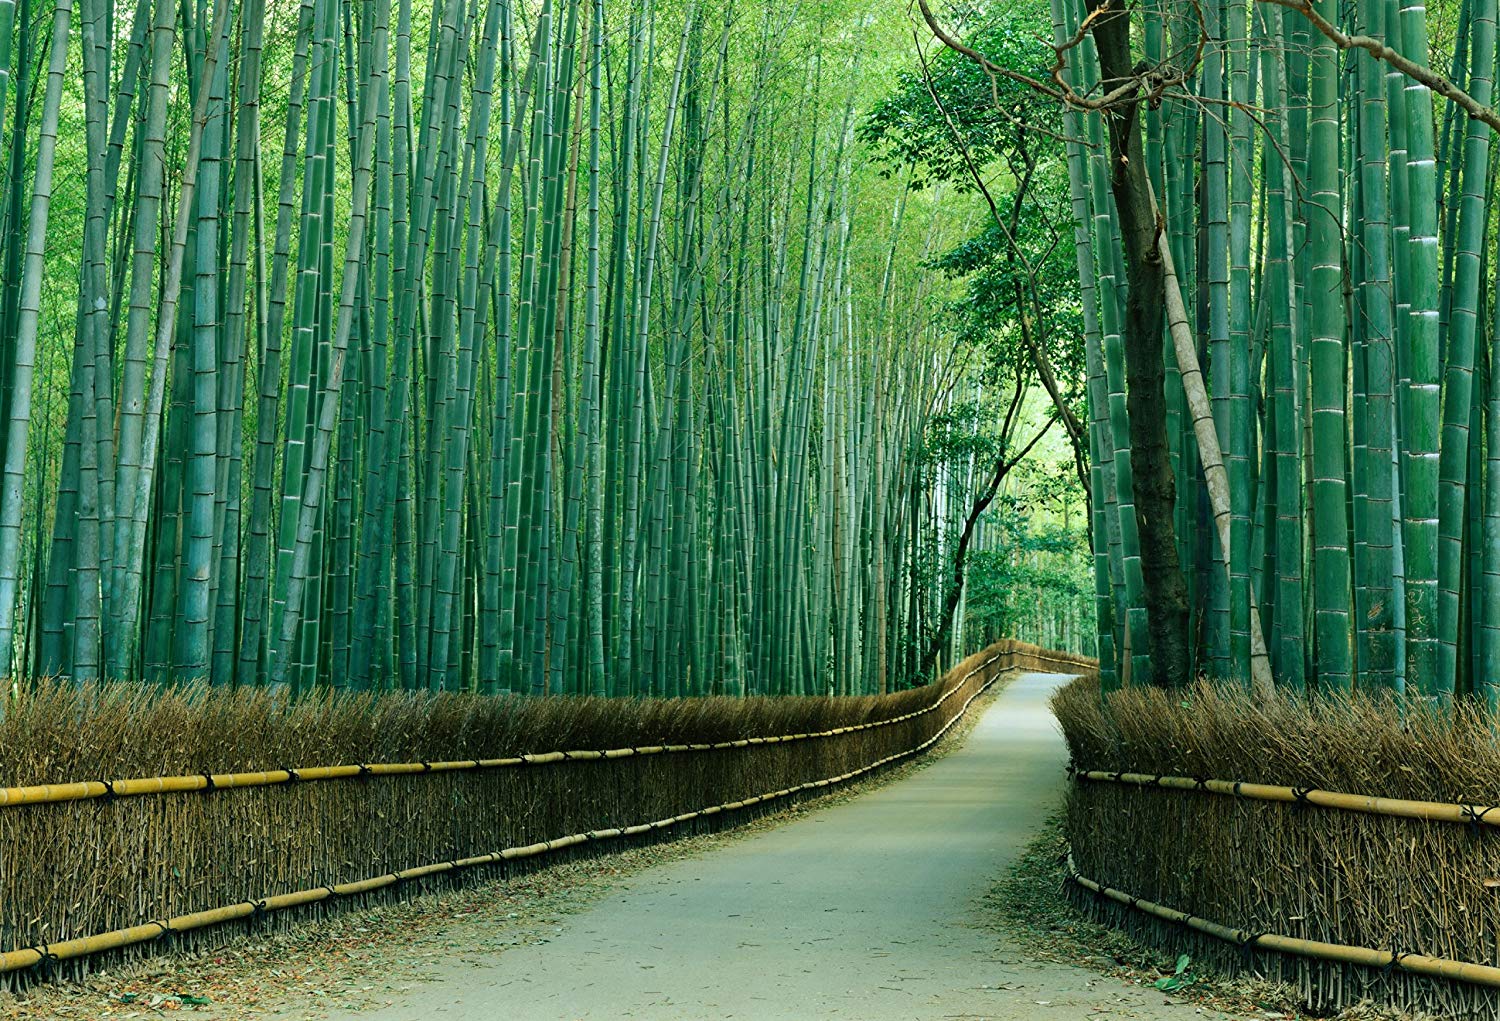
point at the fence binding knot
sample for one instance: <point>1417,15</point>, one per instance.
<point>45,963</point>
<point>1475,816</point>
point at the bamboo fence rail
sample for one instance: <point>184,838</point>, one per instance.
<point>38,794</point>
<point>1432,811</point>
<point>1368,957</point>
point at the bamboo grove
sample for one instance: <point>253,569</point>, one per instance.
<point>553,346</point>
<point>1326,254</point>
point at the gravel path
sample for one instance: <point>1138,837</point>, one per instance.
<point>866,910</point>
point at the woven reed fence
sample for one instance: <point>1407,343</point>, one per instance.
<point>1034,658</point>
<point>235,804</point>
<point>1346,847</point>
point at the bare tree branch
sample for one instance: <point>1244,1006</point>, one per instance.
<point>1380,51</point>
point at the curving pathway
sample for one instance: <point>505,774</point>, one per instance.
<point>864,910</point>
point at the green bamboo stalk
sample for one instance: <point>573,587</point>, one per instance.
<point>1329,361</point>
<point>12,479</point>
<point>170,291</point>
<point>1378,655</point>
<point>1240,438</point>
<point>196,597</point>
<point>1429,670</point>
<point>308,510</point>
<point>1473,222</point>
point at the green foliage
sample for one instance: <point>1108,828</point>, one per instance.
<point>1022,270</point>
<point>949,123</point>
<point>1018,325</point>
<point>961,434</point>
<point>995,116</point>
<point>1026,573</point>
<point>1180,978</point>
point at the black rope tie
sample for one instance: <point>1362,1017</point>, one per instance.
<point>1159,778</point>
<point>208,783</point>
<point>166,929</point>
<point>46,961</point>
<point>291,775</point>
<point>109,791</point>
<point>426,766</point>
<point>365,772</point>
<point>1249,941</point>
<point>1200,783</point>
<point>1474,815</point>
<point>258,914</point>
<point>1098,890</point>
<point>1397,956</point>
<point>332,893</point>
<point>1300,794</point>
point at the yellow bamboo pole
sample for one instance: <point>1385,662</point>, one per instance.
<point>1417,964</point>
<point>1432,811</point>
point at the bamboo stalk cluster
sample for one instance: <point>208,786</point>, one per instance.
<point>1329,236</point>
<point>544,346</point>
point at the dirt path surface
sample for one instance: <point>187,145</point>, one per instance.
<point>868,910</point>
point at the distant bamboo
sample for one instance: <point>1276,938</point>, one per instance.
<point>545,361</point>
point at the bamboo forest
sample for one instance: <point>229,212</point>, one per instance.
<point>707,347</point>
<point>1008,490</point>
<point>683,347</point>
<point>559,347</point>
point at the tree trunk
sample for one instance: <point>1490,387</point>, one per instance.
<point>1154,485</point>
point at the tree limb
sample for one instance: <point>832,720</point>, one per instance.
<point>1380,51</point>
<point>1003,466</point>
